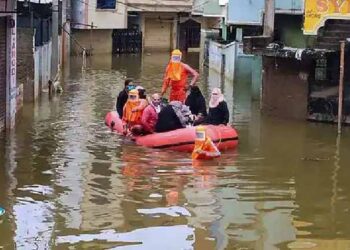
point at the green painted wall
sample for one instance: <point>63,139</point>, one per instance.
<point>288,29</point>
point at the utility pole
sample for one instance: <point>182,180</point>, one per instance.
<point>341,86</point>
<point>91,27</point>
<point>269,18</point>
<point>54,51</point>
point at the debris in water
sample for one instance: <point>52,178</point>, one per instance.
<point>314,159</point>
<point>301,245</point>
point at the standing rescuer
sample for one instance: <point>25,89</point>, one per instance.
<point>204,148</point>
<point>176,76</point>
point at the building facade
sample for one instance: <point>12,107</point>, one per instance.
<point>164,25</point>
<point>301,60</point>
<point>43,44</point>
<point>93,23</point>
<point>8,54</point>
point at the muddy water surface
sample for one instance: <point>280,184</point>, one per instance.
<point>66,182</point>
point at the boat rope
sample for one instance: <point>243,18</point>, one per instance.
<point>220,138</point>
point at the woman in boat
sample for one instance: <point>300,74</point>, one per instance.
<point>196,102</point>
<point>123,96</point>
<point>176,76</point>
<point>174,116</point>
<point>142,98</point>
<point>132,112</point>
<point>218,111</point>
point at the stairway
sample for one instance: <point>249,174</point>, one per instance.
<point>332,33</point>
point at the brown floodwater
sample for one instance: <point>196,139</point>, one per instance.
<point>67,182</point>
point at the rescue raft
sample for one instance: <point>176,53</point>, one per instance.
<point>225,137</point>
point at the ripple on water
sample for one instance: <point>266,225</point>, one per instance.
<point>166,237</point>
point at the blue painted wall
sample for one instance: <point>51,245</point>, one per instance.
<point>251,11</point>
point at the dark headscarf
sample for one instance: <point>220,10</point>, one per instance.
<point>195,100</point>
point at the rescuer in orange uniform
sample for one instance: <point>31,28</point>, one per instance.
<point>176,76</point>
<point>132,113</point>
<point>204,148</point>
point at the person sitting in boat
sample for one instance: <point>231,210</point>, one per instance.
<point>218,111</point>
<point>150,114</point>
<point>204,148</point>
<point>174,116</point>
<point>196,102</point>
<point>132,113</point>
<point>123,96</point>
<point>176,75</point>
<point>142,98</point>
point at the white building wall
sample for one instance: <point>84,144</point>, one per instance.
<point>84,14</point>
<point>42,62</point>
<point>105,19</point>
<point>215,56</point>
<point>218,53</point>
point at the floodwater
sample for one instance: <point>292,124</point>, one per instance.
<point>67,182</point>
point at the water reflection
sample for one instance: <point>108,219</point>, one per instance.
<point>66,181</point>
<point>144,238</point>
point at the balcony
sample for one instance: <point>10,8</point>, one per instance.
<point>160,5</point>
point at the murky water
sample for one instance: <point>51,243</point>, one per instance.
<point>66,182</point>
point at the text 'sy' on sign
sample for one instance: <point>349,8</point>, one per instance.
<point>318,11</point>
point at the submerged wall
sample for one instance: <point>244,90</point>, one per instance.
<point>42,67</point>
<point>230,61</point>
<point>284,89</point>
<point>222,58</point>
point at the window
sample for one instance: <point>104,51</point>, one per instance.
<point>106,4</point>
<point>321,69</point>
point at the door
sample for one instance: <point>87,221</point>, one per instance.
<point>158,34</point>
<point>2,72</point>
<point>190,35</point>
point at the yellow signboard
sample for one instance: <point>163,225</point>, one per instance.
<point>318,11</point>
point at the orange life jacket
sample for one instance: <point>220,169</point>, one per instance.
<point>205,150</point>
<point>129,116</point>
<point>176,78</point>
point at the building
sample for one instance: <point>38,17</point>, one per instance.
<point>221,43</point>
<point>108,26</point>
<point>165,25</point>
<point>43,45</point>
<point>8,89</point>
<point>93,23</point>
<point>300,50</point>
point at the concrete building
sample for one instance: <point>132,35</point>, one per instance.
<point>221,43</point>
<point>300,55</point>
<point>42,50</point>
<point>93,23</point>
<point>165,25</point>
<point>8,54</point>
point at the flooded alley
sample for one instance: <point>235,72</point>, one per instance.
<point>68,182</point>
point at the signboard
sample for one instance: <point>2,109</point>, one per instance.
<point>318,11</point>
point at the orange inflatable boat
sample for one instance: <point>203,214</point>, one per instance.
<point>225,137</point>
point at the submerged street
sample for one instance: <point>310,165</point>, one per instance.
<point>67,182</point>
